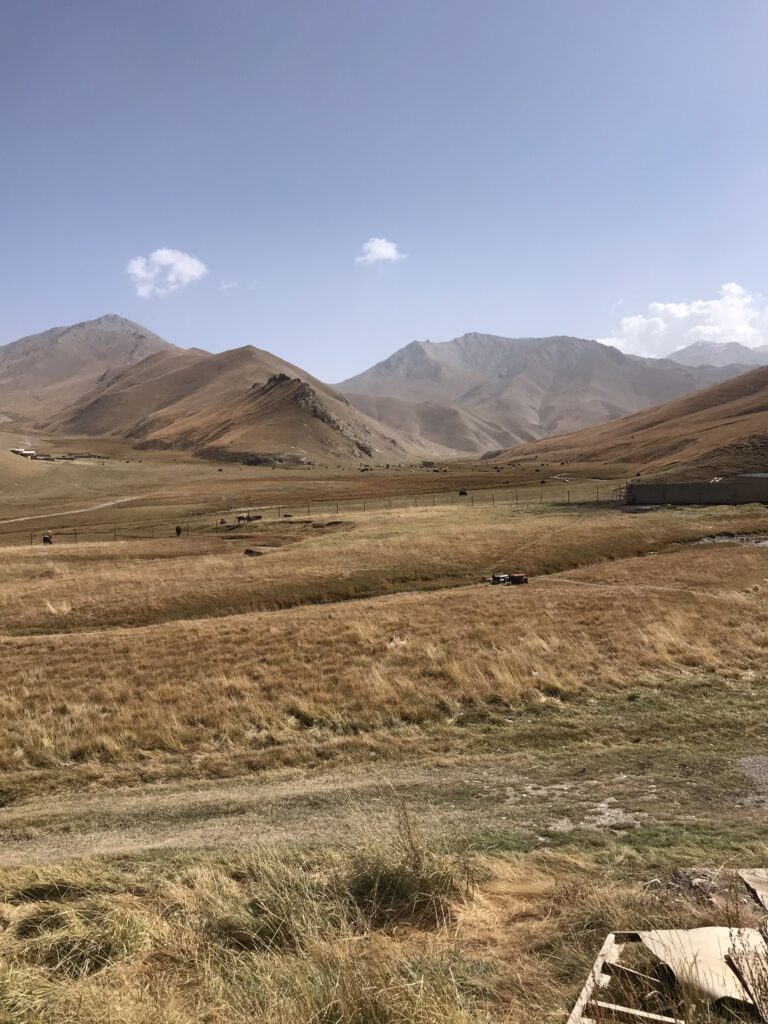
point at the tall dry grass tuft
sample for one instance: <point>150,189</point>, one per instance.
<point>407,880</point>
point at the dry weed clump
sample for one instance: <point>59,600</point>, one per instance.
<point>407,880</point>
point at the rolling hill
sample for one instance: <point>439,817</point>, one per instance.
<point>719,431</point>
<point>43,372</point>
<point>481,391</point>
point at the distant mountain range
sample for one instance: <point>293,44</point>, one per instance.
<point>720,431</point>
<point>243,403</point>
<point>476,393</point>
<point>721,353</point>
<point>481,391</point>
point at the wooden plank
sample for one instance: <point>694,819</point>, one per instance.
<point>607,952</point>
<point>628,1013</point>
<point>618,970</point>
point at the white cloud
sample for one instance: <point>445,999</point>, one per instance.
<point>164,271</point>
<point>376,250</point>
<point>736,315</point>
<point>228,286</point>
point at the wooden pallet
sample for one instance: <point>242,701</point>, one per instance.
<point>590,1008</point>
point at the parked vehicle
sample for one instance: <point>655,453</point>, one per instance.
<point>509,579</point>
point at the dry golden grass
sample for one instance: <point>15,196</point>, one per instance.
<point>87,586</point>
<point>278,937</point>
<point>295,938</point>
<point>147,661</point>
<point>244,691</point>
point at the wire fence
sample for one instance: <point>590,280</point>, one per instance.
<point>225,522</point>
<point>519,497</point>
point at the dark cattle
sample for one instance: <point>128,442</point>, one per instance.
<point>178,531</point>
<point>462,494</point>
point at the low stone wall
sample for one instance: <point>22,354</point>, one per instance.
<point>739,491</point>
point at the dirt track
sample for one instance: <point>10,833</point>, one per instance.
<point>306,806</point>
<point>70,511</point>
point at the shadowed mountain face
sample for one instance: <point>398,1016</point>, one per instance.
<point>720,431</point>
<point>42,373</point>
<point>720,353</point>
<point>482,392</point>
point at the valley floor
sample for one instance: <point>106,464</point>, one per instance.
<point>346,781</point>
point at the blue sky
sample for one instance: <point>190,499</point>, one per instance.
<point>548,166</point>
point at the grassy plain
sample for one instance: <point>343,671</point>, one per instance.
<point>346,782</point>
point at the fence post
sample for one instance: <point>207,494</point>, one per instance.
<point>517,500</point>
<point>472,499</point>
<point>433,501</point>
<point>114,532</point>
<point>569,497</point>
<point>337,508</point>
<point>541,494</point>
<point>493,497</point>
<point>308,512</point>
<point>75,536</point>
<point>153,530</point>
<point>279,510</point>
<point>597,495</point>
<point>31,540</point>
<point>364,504</point>
<point>415,502</point>
<point>452,499</point>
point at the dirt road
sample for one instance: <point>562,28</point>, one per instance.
<point>72,511</point>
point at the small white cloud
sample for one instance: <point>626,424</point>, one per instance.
<point>377,250</point>
<point>228,286</point>
<point>164,271</point>
<point>736,315</point>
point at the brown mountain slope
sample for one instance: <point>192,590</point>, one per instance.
<point>42,373</point>
<point>242,403</point>
<point>722,430</point>
<point>526,388</point>
<point>283,416</point>
<point>461,431</point>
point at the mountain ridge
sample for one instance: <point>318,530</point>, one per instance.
<point>523,388</point>
<point>720,353</point>
<point>720,430</point>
